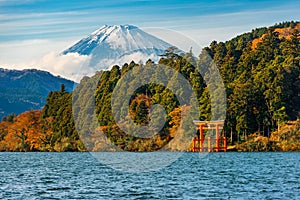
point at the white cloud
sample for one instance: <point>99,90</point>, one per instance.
<point>72,65</point>
<point>196,32</point>
<point>45,55</point>
<point>24,51</point>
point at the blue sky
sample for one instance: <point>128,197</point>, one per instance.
<point>54,19</point>
<point>31,28</point>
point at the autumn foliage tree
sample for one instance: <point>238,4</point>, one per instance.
<point>260,71</point>
<point>28,132</point>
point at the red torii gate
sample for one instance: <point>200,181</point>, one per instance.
<point>209,144</point>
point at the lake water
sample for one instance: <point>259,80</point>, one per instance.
<point>215,176</point>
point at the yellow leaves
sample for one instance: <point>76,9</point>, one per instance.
<point>176,118</point>
<point>175,121</point>
<point>63,145</point>
<point>282,33</point>
<point>256,41</point>
<point>286,139</point>
<point>27,133</point>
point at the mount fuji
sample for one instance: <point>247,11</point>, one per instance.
<point>118,44</point>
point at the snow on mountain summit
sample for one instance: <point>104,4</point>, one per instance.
<point>123,37</point>
<point>118,44</point>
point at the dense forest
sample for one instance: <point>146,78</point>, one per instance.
<point>22,90</point>
<point>260,71</point>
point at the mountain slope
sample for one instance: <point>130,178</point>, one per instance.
<point>118,44</point>
<point>283,31</point>
<point>262,90</point>
<point>22,90</point>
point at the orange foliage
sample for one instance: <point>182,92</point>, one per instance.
<point>27,133</point>
<point>282,33</point>
<point>175,122</point>
<point>286,32</point>
<point>256,41</point>
<point>176,116</point>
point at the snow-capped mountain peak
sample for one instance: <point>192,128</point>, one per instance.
<point>117,44</point>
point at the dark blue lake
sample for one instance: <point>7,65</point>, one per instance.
<point>214,176</point>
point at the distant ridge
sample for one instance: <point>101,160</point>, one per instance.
<point>22,90</point>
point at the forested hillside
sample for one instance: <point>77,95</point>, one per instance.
<point>263,82</point>
<point>22,90</point>
<point>260,70</point>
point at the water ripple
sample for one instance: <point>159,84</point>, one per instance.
<point>216,176</point>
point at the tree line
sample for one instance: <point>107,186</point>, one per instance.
<point>261,82</point>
